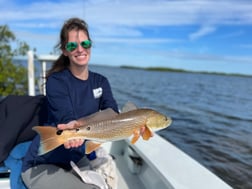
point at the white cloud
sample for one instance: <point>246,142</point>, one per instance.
<point>136,40</point>
<point>246,46</point>
<point>135,13</point>
<point>119,17</point>
<point>124,23</point>
<point>205,30</point>
<point>110,30</point>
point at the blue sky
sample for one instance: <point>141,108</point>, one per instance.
<point>199,35</point>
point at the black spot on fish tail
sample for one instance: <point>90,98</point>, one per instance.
<point>59,132</point>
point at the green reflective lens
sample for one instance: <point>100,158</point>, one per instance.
<point>71,46</point>
<point>86,44</point>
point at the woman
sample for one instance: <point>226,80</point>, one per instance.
<point>72,92</point>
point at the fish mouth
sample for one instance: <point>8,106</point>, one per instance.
<point>168,121</point>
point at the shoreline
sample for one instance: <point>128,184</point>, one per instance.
<point>166,69</point>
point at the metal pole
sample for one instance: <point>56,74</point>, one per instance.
<point>44,76</point>
<point>30,68</point>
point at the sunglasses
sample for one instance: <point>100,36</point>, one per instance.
<point>71,46</point>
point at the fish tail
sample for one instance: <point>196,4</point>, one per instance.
<point>49,139</point>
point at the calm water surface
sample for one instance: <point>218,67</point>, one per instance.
<point>212,115</point>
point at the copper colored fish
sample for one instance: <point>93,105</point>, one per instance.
<point>105,126</point>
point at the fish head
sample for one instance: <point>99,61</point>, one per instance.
<point>157,121</point>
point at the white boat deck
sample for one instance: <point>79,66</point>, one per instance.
<point>159,164</point>
<point>4,183</point>
<point>126,180</point>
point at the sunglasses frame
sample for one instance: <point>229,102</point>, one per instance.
<point>71,46</point>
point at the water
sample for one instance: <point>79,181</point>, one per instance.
<point>212,115</point>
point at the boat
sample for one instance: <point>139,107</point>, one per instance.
<point>151,164</point>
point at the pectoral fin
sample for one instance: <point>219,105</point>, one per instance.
<point>91,146</point>
<point>147,133</point>
<point>136,135</point>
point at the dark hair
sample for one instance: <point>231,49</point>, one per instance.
<point>63,61</point>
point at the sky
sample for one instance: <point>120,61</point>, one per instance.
<point>197,35</point>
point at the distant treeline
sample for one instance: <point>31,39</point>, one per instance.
<point>163,69</point>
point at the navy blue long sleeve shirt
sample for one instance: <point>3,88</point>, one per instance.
<point>70,98</point>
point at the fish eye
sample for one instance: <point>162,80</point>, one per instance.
<point>88,128</point>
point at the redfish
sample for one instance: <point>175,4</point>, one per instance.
<point>105,126</point>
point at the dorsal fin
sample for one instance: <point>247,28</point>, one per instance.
<point>129,106</point>
<point>103,115</point>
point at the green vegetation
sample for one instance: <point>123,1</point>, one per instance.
<point>163,69</point>
<point>13,78</point>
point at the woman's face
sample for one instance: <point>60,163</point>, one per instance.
<point>79,56</point>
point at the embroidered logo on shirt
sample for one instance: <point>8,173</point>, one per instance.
<point>97,92</point>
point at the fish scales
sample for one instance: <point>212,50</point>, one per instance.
<point>105,130</point>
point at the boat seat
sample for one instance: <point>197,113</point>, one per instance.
<point>18,114</point>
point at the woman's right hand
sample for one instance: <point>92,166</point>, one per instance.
<point>73,143</point>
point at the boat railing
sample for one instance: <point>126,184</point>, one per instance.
<point>43,60</point>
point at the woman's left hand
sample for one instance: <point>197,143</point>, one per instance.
<point>73,143</point>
